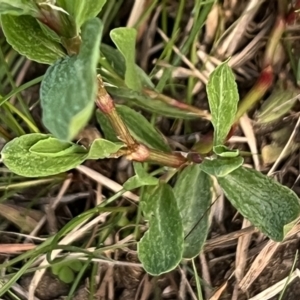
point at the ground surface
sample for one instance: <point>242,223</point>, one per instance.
<point>236,29</point>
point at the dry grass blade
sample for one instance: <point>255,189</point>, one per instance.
<point>185,280</point>
<point>25,219</point>
<point>276,288</point>
<point>262,260</point>
<point>136,12</point>
<point>232,42</point>
<point>285,149</point>
<point>75,234</point>
<point>54,204</point>
<point>112,185</point>
<point>15,248</point>
<point>241,258</point>
<point>197,73</point>
<point>247,128</point>
<point>221,240</point>
<point>219,292</point>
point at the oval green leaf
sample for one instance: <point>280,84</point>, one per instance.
<point>101,148</point>
<point>193,195</point>
<point>66,274</point>
<point>124,38</point>
<point>18,157</point>
<point>267,204</point>
<point>69,87</point>
<point>25,35</point>
<point>221,166</point>
<point>139,127</point>
<point>160,249</point>
<point>223,99</point>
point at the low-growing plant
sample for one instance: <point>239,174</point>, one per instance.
<point>66,270</point>
<point>83,76</point>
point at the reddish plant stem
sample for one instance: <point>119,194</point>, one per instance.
<point>105,103</point>
<point>135,150</point>
<point>175,103</point>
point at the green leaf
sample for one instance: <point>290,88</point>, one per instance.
<point>69,87</point>
<point>150,104</point>
<point>141,178</point>
<point>138,126</point>
<point>193,194</point>
<point>25,35</point>
<point>223,98</point>
<point>224,151</point>
<point>116,61</point>
<point>267,204</point>
<point>221,166</point>
<point>17,155</point>
<point>82,11</point>
<point>124,38</point>
<point>18,7</point>
<point>66,274</point>
<point>56,268</point>
<point>101,148</point>
<point>75,265</point>
<point>160,249</point>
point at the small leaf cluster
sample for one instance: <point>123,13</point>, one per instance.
<point>67,36</point>
<point>66,270</point>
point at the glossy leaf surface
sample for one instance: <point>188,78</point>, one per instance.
<point>193,194</point>
<point>223,98</point>
<point>25,35</point>
<point>267,204</point>
<point>220,166</point>
<point>160,249</point>
<point>124,38</point>
<point>69,87</point>
<point>18,156</point>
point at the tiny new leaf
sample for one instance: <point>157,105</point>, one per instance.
<point>125,38</point>
<point>267,204</point>
<point>53,147</point>
<point>160,249</point>
<point>25,35</point>
<point>66,274</point>
<point>193,194</point>
<point>221,166</point>
<point>140,128</point>
<point>22,157</point>
<point>69,87</point>
<point>223,151</point>
<point>223,98</point>
<point>141,178</point>
<point>101,148</point>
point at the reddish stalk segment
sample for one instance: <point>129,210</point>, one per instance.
<point>135,151</point>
